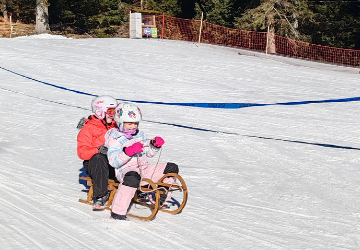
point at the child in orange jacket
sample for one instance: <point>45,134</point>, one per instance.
<point>91,149</point>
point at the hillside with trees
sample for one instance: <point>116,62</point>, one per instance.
<point>333,23</point>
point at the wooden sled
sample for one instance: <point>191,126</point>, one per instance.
<point>155,188</point>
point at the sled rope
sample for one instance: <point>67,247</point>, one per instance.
<point>140,166</point>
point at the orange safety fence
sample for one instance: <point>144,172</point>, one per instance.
<point>189,30</point>
<point>340,56</point>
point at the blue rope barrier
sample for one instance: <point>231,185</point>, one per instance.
<point>232,105</point>
<point>49,84</point>
<point>199,105</point>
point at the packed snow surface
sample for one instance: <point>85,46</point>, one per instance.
<point>261,177</point>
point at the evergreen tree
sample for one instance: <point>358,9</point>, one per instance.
<point>101,17</point>
<point>3,9</point>
<point>169,7</point>
<point>188,9</point>
<point>337,24</point>
<point>290,18</point>
<point>215,11</point>
<point>332,23</point>
<point>22,10</point>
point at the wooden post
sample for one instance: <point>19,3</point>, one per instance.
<point>267,42</point>
<point>163,26</point>
<point>11,27</point>
<point>130,24</point>
<point>249,35</point>
<point>201,22</point>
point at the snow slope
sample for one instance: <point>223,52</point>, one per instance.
<point>262,177</point>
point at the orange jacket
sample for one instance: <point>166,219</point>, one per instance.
<point>91,136</point>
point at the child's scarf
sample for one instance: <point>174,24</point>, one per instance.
<point>129,133</point>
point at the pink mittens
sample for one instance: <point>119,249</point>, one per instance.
<point>134,149</point>
<point>158,141</point>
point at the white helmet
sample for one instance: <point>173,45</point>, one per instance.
<point>101,104</point>
<point>127,112</point>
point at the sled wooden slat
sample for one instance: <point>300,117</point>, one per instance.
<point>153,209</point>
<point>112,186</point>
<point>182,187</point>
<point>155,188</point>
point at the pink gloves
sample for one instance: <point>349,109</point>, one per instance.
<point>134,149</point>
<point>138,146</point>
<point>158,141</point>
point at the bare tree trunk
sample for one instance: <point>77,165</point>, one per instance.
<point>271,42</point>
<point>271,48</point>
<point>42,17</point>
<point>3,9</point>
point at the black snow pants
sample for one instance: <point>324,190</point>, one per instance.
<point>99,170</point>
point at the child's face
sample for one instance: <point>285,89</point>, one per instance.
<point>108,118</point>
<point>130,125</point>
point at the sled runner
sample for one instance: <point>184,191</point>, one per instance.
<point>148,196</point>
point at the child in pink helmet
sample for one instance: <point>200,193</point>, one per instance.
<point>91,149</point>
<point>128,152</point>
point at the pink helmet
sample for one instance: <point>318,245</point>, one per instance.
<point>101,104</point>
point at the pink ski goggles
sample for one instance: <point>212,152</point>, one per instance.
<point>110,112</point>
